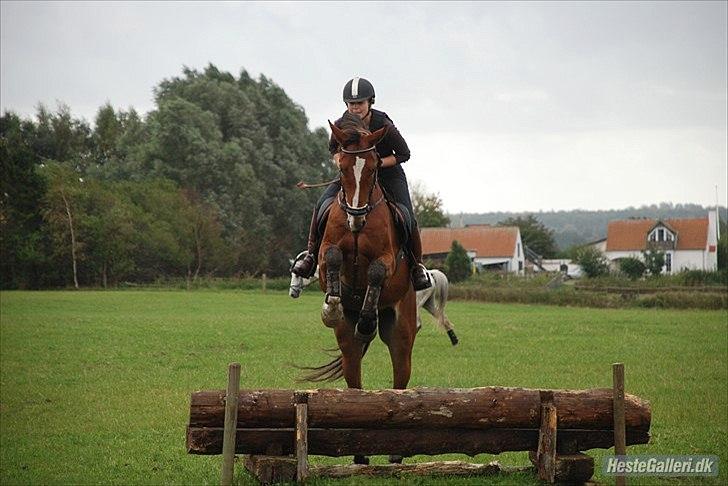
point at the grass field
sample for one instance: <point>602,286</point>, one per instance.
<point>94,386</point>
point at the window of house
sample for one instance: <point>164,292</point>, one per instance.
<point>668,262</point>
<point>518,245</point>
<point>520,265</point>
<point>669,236</point>
<point>660,234</point>
<point>653,236</point>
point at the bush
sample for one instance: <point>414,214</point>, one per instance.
<point>593,263</point>
<point>632,267</point>
<point>458,263</point>
<point>701,277</point>
<point>654,261</point>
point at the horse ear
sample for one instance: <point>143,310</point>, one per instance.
<point>337,132</point>
<point>374,138</point>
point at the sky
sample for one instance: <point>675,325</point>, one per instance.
<point>505,106</point>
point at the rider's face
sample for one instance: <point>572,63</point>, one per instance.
<point>360,108</point>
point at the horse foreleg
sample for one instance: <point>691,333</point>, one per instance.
<point>352,352</point>
<point>366,326</point>
<point>332,312</point>
<point>402,340</point>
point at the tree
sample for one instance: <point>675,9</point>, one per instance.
<point>63,211</point>
<point>428,208</point>
<point>723,247</point>
<point>534,234</point>
<point>24,241</point>
<point>457,264</point>
<point>654,261</point>
<point>593,263</point>
<point>632,267</point>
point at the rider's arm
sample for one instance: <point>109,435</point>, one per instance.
<point>389,161</point>
<point>396,141</point>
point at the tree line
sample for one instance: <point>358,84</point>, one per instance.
<point>204,184</point>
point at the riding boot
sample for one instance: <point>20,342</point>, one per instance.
<point>306,266</point>
<point>420,278</point>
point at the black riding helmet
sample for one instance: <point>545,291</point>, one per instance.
<point>358,89</point>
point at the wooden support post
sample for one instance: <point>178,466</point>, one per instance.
<point>301,400</point>
<point>231,420</point>
<point>264,282</point>
<point>620,435</point>
<point>546,453</point>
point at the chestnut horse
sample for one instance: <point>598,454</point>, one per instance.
<point>363,269</point>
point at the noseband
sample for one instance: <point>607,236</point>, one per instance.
<point>368,208</point>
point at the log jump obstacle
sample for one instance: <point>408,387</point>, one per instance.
<point>555,426</point>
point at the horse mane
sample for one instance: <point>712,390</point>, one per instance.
<point>354,127</point>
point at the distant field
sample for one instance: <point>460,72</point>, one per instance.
<point>94,386</point>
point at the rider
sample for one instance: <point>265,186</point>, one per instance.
<point>393,151</point>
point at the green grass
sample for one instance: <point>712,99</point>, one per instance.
<point>94,386</point>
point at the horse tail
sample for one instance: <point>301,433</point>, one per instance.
<point>331,371</point>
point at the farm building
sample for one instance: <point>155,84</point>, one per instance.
<point>689,243</point>
<point>497,248</point>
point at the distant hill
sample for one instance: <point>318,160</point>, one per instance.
<point>580,226</point>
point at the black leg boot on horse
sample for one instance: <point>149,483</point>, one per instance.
<point>306,266</point>
<point>420,278</point>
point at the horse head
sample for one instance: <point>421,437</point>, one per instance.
<point>358,165</point>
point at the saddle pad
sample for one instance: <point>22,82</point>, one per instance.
<point>403,221</point>
<point>323,215</point>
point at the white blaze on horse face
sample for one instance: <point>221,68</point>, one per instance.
<point>356,222</point>
<point>358,168</point>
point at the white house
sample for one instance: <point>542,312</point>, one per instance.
<point>490,247</point>
<point>689,244</point>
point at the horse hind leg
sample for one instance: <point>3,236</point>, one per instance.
<point>366,326</point>
<point>450,330</point>
<point>332,312</point>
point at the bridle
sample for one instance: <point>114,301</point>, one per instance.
<point>369,207</point>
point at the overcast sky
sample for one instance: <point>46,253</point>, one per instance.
<point>505,106</point>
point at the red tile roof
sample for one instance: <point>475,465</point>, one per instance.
<point>485,241</point>
<point>631,234</point>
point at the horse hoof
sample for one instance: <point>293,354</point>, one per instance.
<point>395,459</point>
<point>361,460</point>
<point>332,311</point>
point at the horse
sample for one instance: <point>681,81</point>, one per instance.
<point>433,299</point>
<point>363,268</point>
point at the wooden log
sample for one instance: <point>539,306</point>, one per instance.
<point>476,408</point>
<point>620,441</point>
<point>405,442</point>
<point>570,468</point>
<point>546,452</point>
<point>271,469</point>
<point>440,468</point>
<point>231,418</point>
<point>301,436</point>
